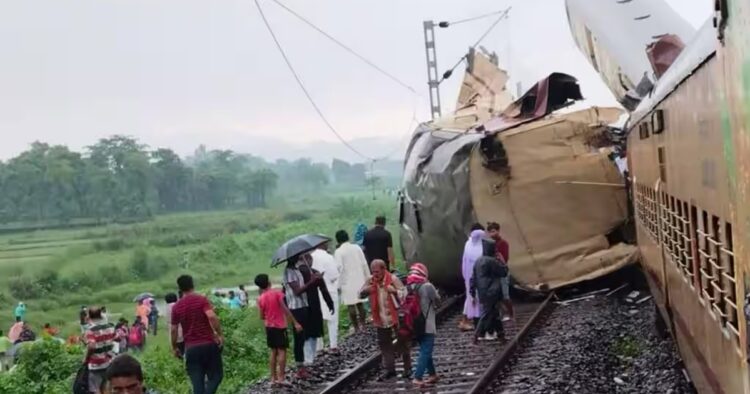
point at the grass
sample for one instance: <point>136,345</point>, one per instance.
<point>57,271</point>
<point>627,346</point>
<point>218,248</point>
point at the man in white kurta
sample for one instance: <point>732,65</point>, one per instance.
<point>324,263</point>
<point>352,264</point>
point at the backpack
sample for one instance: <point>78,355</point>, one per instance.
<point>136,336</point>
<point>411,320</point>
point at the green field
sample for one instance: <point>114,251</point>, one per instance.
<point>56,271</point>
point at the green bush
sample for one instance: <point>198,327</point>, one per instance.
<point>44,367</point>
<point>225,249</point>
<point>296,216</point>
<point>48,304</point>
<point>112,275</point>
<point>47,281</point>
<point>23,287</point>
<point>139,264</point>
<point>110,244</point>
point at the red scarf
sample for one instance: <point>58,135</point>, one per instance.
<point>375,302</point>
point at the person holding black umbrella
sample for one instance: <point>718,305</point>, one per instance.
<point>314,327</point>
<point>296,287</point>
<point>295,293</point>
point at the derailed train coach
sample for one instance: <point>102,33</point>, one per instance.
<point>545,175</point>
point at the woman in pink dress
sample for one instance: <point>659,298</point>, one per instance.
<point>472,251</point>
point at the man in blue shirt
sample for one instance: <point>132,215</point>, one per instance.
<point>234,301</point>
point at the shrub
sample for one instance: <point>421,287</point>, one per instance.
<point>225,249</point>
<point>110,244</point>
<point>44,367</point>
<point>296,216</point>
<point>157,266</point>
<point>47,281</point>
<point>112,275</point>
<point>23,287</point>
<point>139,263</point>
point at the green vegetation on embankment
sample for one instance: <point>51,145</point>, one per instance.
<point>57,271</point>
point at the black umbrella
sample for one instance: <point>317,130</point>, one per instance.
<point>297,246</point>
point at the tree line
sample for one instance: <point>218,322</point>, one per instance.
<point>118,177</point>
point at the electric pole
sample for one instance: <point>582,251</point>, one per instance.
<point>432,70</point>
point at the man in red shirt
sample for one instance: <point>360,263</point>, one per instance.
<point>202,335</point>
<point>502,251</point>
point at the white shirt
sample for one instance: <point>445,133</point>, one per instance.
<point>352,264</point>
<point>324,263</point>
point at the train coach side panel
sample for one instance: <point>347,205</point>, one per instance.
<point>693,226</point>
<point>733,20</point>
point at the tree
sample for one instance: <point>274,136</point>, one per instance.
<point>171,179</point>
<point>257,185</point>
<point>122,176</point>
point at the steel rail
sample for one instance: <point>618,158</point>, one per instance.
<point>344,381</point>
<point>509,349</point>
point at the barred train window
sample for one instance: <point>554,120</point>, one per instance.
<point>662,164</point>
<point>704,252</point>
<point>717,270</point>
<point>687,235</point>
<point>695,245</point>
<point>729,281</point>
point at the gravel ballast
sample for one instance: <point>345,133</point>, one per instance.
<point>597,345</point>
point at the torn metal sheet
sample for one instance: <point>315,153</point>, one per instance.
<point>537,173</point>
<point>614,35</point>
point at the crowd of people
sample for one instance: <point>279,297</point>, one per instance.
<point>360,274</point>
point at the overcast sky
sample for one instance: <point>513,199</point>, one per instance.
<point>178,73</point>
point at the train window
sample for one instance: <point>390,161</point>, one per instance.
<point>729,282</point>
<point>657,121</point>
<point>704,257</point>
<point>694,245</point>
<point>670,225</point>
<point>662,163</point>
<point>643,130</point>
<point>721,14</point>
<point>679,237</point>
<point>664,222</point>
<point>418,217</point>
<point>716,269</point>
<point>654,215</point>
<point>686,244</point>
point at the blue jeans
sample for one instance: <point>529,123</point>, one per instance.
<point>425,362</point>
<point>204,367</point>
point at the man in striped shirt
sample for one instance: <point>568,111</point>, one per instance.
<point>100,340</point>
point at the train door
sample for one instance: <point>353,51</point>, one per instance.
<point>643,155</point>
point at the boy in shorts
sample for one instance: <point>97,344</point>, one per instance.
<point>274,312</point>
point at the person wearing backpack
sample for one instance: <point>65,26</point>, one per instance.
<point>486,286</point>
<point>385,291</point>
<point>424,328</point>
<point>136,335</point>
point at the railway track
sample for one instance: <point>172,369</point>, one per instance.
<point>463,367</point>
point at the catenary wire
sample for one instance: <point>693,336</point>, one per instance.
<point>346,48</point>
<point>479,40</point>
<point>303,88</point>
<point>475,18</point>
